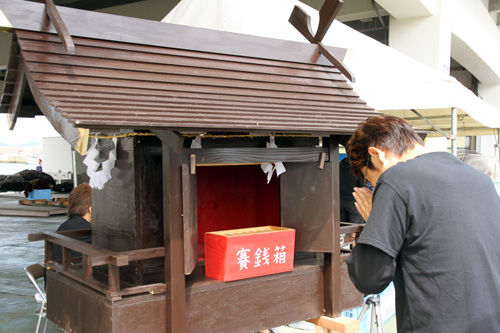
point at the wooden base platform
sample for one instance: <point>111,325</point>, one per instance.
<point>10,206</point>
<point>248,305</point>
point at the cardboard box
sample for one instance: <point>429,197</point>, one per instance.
<point>244,253</point>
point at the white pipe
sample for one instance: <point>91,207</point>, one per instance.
<point>453,131</point>
<point>73,157</point>
<point>497,154</point>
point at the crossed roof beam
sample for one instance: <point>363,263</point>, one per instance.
<point>302,22</point>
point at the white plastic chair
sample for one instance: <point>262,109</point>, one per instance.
<point>34,272</point>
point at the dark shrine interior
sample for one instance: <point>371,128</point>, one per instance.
<point>234,197</point>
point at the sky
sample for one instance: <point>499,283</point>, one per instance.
<point>26,130</point>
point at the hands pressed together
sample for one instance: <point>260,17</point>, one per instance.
<point>363,197</point>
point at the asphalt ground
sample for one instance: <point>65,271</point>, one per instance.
<point>16,291</point>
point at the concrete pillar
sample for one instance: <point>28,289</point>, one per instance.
<point>490,93</point>
<point>493,5</point>
<point>427,39</point>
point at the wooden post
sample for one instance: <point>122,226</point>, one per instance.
<point>190,223</point>
<point>192,163</point>
<point>87,267</point>
<point>113,278</point>
<point>173,228</point>
<point>66,258</point>
<point>49,251</point>
<point>332,260</point>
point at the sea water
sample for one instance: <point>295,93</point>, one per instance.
<point>12,168</point>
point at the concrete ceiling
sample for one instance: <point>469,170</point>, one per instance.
<point>90,4</point>
<point>412,8</point>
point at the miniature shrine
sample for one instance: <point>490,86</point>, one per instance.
<point>210,132</point>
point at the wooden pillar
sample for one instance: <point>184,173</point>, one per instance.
<point>173,228</point>
<point>332,260</point>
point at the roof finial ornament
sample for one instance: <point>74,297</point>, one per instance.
<point>302,22</point>
<point>62,30</point>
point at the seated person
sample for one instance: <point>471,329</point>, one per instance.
<point>348,211</point>
<point>80,217</point>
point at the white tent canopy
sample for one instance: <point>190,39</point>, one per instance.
<point>385,78</point>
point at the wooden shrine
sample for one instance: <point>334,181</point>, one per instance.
<point>158,87</point>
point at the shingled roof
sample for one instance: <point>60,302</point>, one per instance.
<point>182,78</point>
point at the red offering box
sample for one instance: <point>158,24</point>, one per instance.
<point>244,253</point>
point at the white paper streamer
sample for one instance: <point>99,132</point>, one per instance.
<point>196,143</point>
<point>280,168</point>
<point>269,168</point>
<point>101,177</point>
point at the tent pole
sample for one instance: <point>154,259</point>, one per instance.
<point>453,131</point>
<point>73,162</point>
<point>497,154</point>
<point>430,123</point>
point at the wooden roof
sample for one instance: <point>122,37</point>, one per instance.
<point>192,80</point>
